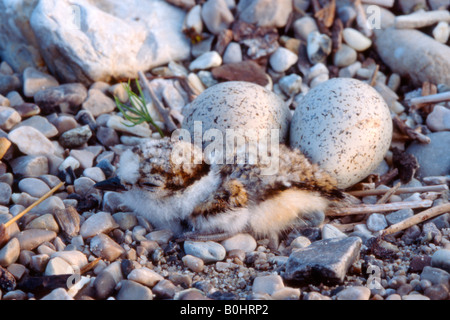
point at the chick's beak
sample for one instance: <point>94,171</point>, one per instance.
<point>112,184</point>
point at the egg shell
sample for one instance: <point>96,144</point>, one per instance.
<point>245,107</point>
<point>345,127</point>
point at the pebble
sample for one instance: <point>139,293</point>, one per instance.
<point>240,241</point>
<point>131,290</point>
<point>318,47</point>
<point>41,124</point>
<point>208,251</point>
<point>56,266</point>
<point>216,15</point>
<point>207,60</point>
<point>441,259</point>
<point>98,103</point>
<point>160,236</point>
<point>9,83</point>
<point>107,136</point>
<point>286,293</point>
<point>107,280</point>
<point>32,238</point>
<point>265,13</point>
<point>428,154</point>
<point>69,162</point>
<point>354,293</point>
<point>304,26</point>
<point>439,119</point>
<point>30,141</point>
<point>441,32</point>
<point>122,125</point>
<point>291,84</point>
<point>8,118</point>
<point>145,276</point>
<point>14,98</point>
<point>415,296</point>
<point>398,216</point>
<point>30,166</point>
<point>10,252</point>
<point>106,248</point>
<point>356,39</point>
<point>328,260</point>
<point>35,80</point>
<point>34,187</point>
<point>75,258</point>
<point>376,222</point>
<point>345,56</point>
<point>165,289</point>
<point>84,157</point>
<point>5,193</point>
<point>267,284</point>
<point>329,231</point>
<point>101,222</point>
<point>402,50</point>
<point>300,242</point>
<point>421,18</point>
<point>193,263</point>
<point>45,222</point>
<point>282,59</point>
<point>75,137</point>
<point>65,98</point>
<point>233,53</point>
<point>94,173</point>
<point>435,275</point>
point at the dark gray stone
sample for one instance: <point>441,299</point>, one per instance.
<point>434,158</point>
<point>8,83</point>
<point>435,276</point>
<point>324,261</point>
<point>400,215</point>
<point>66,98</point>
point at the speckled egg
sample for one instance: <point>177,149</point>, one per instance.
<point>345,126</point>
<point>248,109</point>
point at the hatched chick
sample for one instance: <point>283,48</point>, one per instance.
<point>174,185</point>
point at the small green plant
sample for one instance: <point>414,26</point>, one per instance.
<point>137,111</point>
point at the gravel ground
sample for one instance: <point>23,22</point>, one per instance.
<point>51,131</point>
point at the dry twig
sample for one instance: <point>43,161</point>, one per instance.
<point>384,207</point>
<point>403,127</point>
<point>416,219</point>
<point>389,193</point>
<point>379,192</point>
<point>165,113</point>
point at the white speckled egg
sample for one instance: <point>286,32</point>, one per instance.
<point>345,126</point>
<point>244,107</point>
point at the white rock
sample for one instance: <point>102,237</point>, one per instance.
<point>106,248</point>
<point>35,80</point>
<point>349,140</point>
<point>193,22</point>
<point>69,162</point>
<point>31,141</point>
<point>439,119</point>
<point>304,26</point>
<point>207,60</point>
<point>291,84</point>
<point>58,266</point>
<point>232,53</point>
<point>318,47</point>
<point>265,13</point>
<point>282,59</point>
<point>123,125</point>
<point>193,263</point>
<point>10,252</point>
<point>319,79</point>
<point>58,294</point>
<point>8,117</point>
<point>101,222</point>
<point>354,293</point>
<point>267,284</point>
<point>75,258</point>
<point>317,69</point>
<point>240,241</point>
<point>441,32</point>
<point>216,15</point>
<point>207,251</point>
<point>300,242</point>
<point>329,231</point>
<point>143,38</point>
<point>46,222</point>
<point>376,222</point>
<point>345,56</point>
<point>356,39</point>
<point>145,276</point>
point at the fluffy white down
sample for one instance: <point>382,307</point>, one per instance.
<point>129,167</point>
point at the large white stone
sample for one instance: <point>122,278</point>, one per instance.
<point>87,41</point>
<point>30,141</point>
